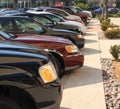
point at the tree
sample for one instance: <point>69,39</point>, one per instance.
<point>117,3</point>
<point>15,4</point>
<point>81,1</point>
<point>105,12</point>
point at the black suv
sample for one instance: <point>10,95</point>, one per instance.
<point>28,78</point>
<point>23,25</point>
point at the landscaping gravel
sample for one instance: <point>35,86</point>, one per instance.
<point>111,85</point>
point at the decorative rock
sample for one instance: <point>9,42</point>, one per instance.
<point>118,96</point>
<point>115,84</point>
<point>111,86</point>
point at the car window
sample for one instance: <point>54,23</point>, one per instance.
<point>53,17</point>
<point>74,10</point>
<point>68,11</point>
<point>20,25</point>
<point>58,11</point>
<point>6,25</point>
<point>28,26</point>
<point>42,20</point>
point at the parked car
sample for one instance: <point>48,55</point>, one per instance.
<point>55,21</point>
<point>24,25</point>
<point>10,12</point>
<point>80,10</point>
<point>97,11</point>
<point>66,54</point>
<point>113,10</point>
<point>72,10</point>
<point>58,11</point>
<point>28,78</point>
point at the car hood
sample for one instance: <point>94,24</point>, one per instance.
<point>64,32</point>
<point>68,22</point>
<point>81,26</point>
<point>41,38</point>
<point>10,45</point>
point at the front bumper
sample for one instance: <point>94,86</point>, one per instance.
<point>48,96</point>
<point>73,61</point>
<point>80,43</point>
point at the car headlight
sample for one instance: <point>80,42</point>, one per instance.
<point>71,49</point>
<point>48,73</point>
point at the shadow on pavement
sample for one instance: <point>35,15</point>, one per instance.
<point>90,41</point>
<point>89,34</point>
<point>89,51</point>
<point>64,108</point>
<point>83,76</point>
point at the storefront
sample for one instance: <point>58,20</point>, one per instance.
<point>10,3</point>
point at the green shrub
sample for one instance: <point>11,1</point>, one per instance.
<point>112,34</point>
<point>81,5</point>
<point>113,26</point>
<point>108,22</point>
<point>101,18</point>
<point>115,51</point>
<point>111,15</point>
<point>118,14</point>
<point>104,25</point>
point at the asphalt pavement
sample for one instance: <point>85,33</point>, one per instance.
<point>83,88</point>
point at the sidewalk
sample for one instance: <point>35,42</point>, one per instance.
<point>105,44</point>
<point>83,88</point>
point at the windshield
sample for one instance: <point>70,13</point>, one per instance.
<point>42,20</point>
<point>54,17</point>
<point>20,25</point>
<point>74,10</point>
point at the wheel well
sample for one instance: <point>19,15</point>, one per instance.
<point>59,58</point>
<point>18,95</point>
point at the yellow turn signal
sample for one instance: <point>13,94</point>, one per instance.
<point>48,73</point>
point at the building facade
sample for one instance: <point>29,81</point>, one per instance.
<point>19,3</point>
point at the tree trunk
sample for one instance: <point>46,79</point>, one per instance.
<point>15,4</point>
<point>105,10</point>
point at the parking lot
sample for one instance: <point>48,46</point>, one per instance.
<point>83,88</point>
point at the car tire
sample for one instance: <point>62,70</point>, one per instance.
<point>7,103</point>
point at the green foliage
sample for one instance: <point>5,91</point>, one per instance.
<point>80,1</point>
<point>101,18</point>
<point>115,51</point>
<point>81,5</point>
<point>38,3</point>
<point>118,14</point>
<point>104,23</point>
<point>112,34</point>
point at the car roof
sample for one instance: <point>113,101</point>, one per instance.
<point>13,17</point>
<point>39,12</point>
